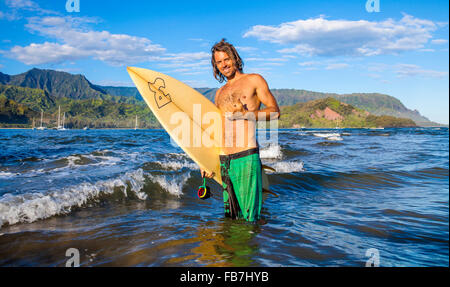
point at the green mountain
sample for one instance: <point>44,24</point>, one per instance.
<point>377,104</point>
<point>130,92</point>
<point>57,84</point>
<point>330,113</point>
<point>14,114</point>
<point>4,78</point>
<point>35,99</point>
<point>94,112</point>
<point>47,90</point>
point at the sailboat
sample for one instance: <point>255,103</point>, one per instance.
<point>61,127</point>
<point>42,128</point>
<point>136,124</point>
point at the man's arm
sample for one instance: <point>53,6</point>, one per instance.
<point>216,97</point>
<point>272,111</point>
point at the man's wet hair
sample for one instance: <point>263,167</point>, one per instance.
<point>224,46</point>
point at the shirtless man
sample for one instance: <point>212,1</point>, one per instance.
<point>239,101</point>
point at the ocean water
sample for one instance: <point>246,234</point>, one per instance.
<point>128,198</point>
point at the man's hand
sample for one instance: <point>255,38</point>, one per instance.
<point>235,116</point>
<point>249,116</point>
<point>204,173</point>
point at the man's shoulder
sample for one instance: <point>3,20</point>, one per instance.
<point>218,91</point>
<point>255,78</point>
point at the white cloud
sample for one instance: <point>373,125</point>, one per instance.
<point>110,83</point>
<point>410,70</point>
<point>309,63</point>
<point>246,49</point>
<point>75,40</point>
<point>197,39</point>
<point>327,65</point>
<point>9,16</point>
<point>378,67</point>
<point>374,76</point>
<point>24,5</point>
<point>185,63</point>
<point>427,50</point>
<point>439,41</point>
<point>325,37</point>
<point>37,54</point>
<point>196,83</point>
<point>201,42</point>
<point>337,66</point>
<point>180,58</point>
<point>403,71</point>
<point>258,59</point>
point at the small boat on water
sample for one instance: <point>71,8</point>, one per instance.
<point>60,126</point>
<point>42,128</point>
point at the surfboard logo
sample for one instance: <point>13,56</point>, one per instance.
<point>157,88</point>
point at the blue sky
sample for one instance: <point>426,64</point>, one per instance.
<point>324,46</point>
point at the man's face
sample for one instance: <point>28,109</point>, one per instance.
<point>224,64</point>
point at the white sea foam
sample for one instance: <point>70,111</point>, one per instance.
<point>326,135</point>
<point>72,160</point>
<point>334,138</point>
<point>75,161</point>
<point>329,136</point>
<point>4,174</point>
<point>177,155</point>
<point>287,167</point>
<point>34,206</point>
<point>172,184</point>
<point>177,165</point>
<point>272,151</point>
<point>104,160</point>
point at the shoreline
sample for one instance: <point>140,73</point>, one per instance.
<point>310,128</point>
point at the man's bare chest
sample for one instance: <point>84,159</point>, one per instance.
<point>246,95</point>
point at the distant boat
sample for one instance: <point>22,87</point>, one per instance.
<point>86,128</point>
<point>136,124</point>
<point>60,126</point>
<point>42,128</point>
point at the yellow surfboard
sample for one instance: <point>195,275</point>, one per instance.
<point>190,119</point>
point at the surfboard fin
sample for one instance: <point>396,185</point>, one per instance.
<point>266,167</point>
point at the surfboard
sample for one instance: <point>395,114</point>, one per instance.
<point>192,121</point>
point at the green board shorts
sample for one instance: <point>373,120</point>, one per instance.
<point>242,184</point>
